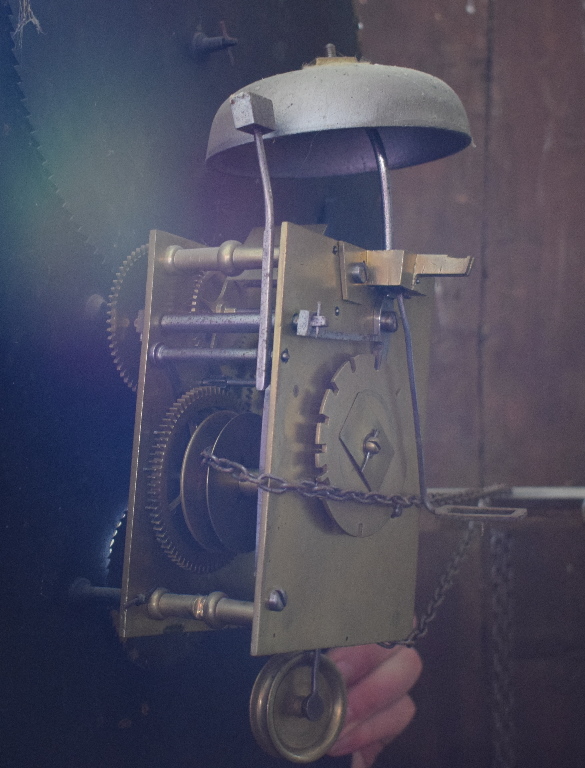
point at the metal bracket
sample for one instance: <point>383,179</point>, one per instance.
<point>395,268</point>
<point>480,513</point>
<point>529,496</point>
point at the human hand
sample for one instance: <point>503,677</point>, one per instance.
<point>378,704</point>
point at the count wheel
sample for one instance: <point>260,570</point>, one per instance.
<point>278,715</point>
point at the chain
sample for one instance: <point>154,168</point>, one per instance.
<point>312,489</point>
<point>445,583</point>
<point>502,704</point>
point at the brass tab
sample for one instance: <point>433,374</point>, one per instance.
<point>395,269</point>
<point>418,265</point>
<point>404,269</point>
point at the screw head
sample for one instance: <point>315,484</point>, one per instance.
<point>276,600</point>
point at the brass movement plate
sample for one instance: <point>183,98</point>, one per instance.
<point>146,566</point>
<point>341,589</point>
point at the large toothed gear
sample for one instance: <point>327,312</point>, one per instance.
<point>115,553</point>
<point>173,529</point>
<point>125,311</point>
<point>360,445</point>
<point>211,293</point>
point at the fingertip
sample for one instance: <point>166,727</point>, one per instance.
<point>358,661</point>
<point>415,661</point>
<point>376,731</point>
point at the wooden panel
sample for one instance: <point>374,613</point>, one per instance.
<point>534,409</point>
<point>549,595</point>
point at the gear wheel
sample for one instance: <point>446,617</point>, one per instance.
<point>360,443</point>
<point>124,310</point>
<point>115,556</point>
<point>164,485</point>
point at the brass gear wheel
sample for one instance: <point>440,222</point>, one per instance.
<point>169,519</point>
<point>115,556</point>
<point>360,443</point>
<point>126,301</point>
<point>126,309</point>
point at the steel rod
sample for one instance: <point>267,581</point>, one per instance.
<point>221,382</point>
<point>383,172</point>
<point>267,289</point>
<point>215,323</point>
<point>163,354</point>
<point>528,492</point>
<point>82,590</point>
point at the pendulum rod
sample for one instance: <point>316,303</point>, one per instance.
<point>313,707</point>
<point>266,290</point>
<point>383,171</point>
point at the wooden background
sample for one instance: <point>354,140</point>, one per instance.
<point>507,401</point>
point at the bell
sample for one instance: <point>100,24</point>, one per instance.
<point>321,110</point>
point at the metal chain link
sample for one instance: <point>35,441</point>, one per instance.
<point>446,581</point>
<point>502,704</point>
<point>312,489</point>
